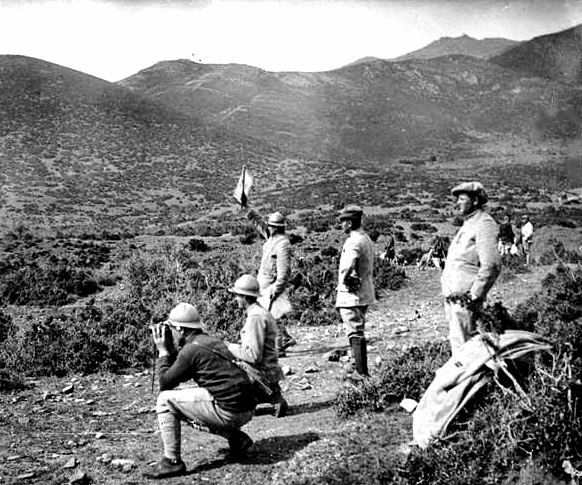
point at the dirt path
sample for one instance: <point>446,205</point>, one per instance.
<point>59,428</point>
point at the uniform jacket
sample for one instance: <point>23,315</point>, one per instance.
<point>473,262</point>
<point>358,252</point>
<point>227,383</point>
<point>527,231</point>
<point>258,342</point>
<point>275,266</point>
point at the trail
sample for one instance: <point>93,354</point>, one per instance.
<point>113,416</point>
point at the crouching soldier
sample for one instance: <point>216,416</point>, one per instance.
<point>221,404</point>
<point>258,339</point>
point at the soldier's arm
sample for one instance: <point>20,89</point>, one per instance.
<point>284,254</point>
<point>259,224</point>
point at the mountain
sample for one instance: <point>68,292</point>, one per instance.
<point>79,150</point>
<point>374,110</point>
<point>463,45</point>
<point>556,56</point>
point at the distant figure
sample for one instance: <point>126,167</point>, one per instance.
<point>389,252</point>
<point>472,264</point>
<point>506,236</point>
<point>355,289</point>
<point>221,402</point>
<point>526,237</point>
<point>436,253</point>
<point>258,344</point>
<point>274,272</point>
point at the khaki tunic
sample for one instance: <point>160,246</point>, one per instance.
<point>358,247</point>
<point>473,262</point>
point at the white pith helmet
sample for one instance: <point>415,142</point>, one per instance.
<point>184,315</point>
<point>246,285</point>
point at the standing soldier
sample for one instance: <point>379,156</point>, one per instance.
<point>526,237</point>
<point>274,272</point>
<point>355,289</point>
<point>506,236</point>
<point>472,263</point>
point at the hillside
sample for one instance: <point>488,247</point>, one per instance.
<point>77,151</point>
<point>556,56</point>
<point>374,110</point>
<point>463,45</point>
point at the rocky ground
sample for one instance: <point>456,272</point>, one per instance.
<point>102,428</point>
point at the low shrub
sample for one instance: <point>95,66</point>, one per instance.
<point>402,374</point>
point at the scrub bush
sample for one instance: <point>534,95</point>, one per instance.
<point>513,439</point>
<point>401,374</point>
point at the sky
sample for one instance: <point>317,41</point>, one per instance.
<point>113,39</point>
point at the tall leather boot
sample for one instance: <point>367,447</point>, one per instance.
<point>360,354</point>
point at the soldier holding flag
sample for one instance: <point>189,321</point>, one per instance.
<point>275,269</point>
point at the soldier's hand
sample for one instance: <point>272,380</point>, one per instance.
<point>253,215</point>
<point>352,283</point>
<point>159,333</point>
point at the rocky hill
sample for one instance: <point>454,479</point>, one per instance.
<point>374,110</point>
<point>463,45</point>
<point>556,56</point>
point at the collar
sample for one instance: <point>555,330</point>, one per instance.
<point>471,215</point>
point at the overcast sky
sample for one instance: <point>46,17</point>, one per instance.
<point>113,39</point>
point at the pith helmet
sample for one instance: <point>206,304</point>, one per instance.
<point>471,188</point>
<point>276,219</point>
<point>184,315</point>
<point>351,212</point>
<point>246,285</point>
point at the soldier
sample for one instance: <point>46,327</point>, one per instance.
<point>258,339</point>
<point>355,289</point>
<point>526,237</point>
<point>222,402</point>
<point>472,264</point>
<point>274,272</point>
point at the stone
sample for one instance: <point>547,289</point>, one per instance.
<point>79,478</point>
<point>68,389</point>
<point>124,464</point>
<point>72,463</point>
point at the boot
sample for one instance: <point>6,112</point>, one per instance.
<point>360,354</point>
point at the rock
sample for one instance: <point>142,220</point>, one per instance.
<point>90,401</point>
<point>99,435</point>
<point>79,478</point>
<point>68,389</point>
<point>409,405</point>
<point>72,463</point>
<point>311,369</point>
<point>287,371</point>
<point>377,360</point>
<point>25,476</point>
<point>345,358</point>
<point>401,329</point>
<point>105,458</point>
<point>124,464</point>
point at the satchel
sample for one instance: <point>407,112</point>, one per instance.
<point>262,389</point>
